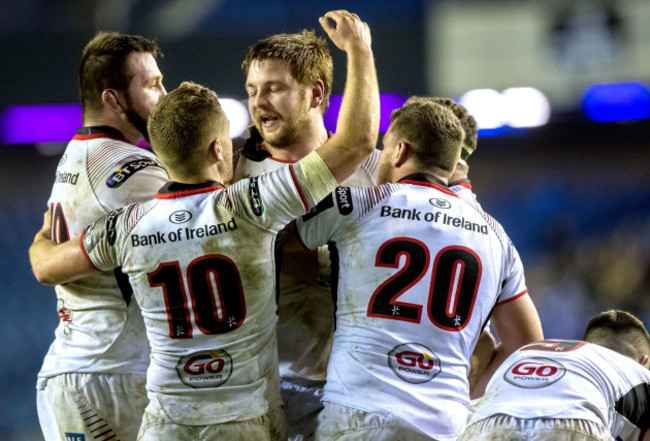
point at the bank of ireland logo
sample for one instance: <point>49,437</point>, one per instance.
<point>414,363</point>
<point>534,372</point>
<point>180,217</point>
<point>205,369</point>
<point>440,203</point>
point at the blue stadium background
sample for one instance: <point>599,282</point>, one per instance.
<point>574,195</point>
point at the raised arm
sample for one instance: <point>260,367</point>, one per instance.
<point>358,123</point>
<point>54,264</point>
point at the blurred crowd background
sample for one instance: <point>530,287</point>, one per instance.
<point>573,192</point>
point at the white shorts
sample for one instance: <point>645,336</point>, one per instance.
<point>93,407</point>
<point>268,427</point>
<point>343,423</point>
<point>508,428</point>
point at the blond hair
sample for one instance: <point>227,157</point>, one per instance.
<point>183,122</point>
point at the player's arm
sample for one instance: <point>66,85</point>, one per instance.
<point>516,323</point>
<point>358,122</point>
<point>481,358</point>
<point>54,264</point>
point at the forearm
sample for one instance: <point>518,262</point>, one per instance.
<point>517,324</point>
<point>56,264</point>
<point>358,122</point>
<point>481,359</point>
<point>38,252</point>
<point>478,389</point>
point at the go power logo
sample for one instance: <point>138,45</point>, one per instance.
<point>534,372</point>
<point>414,363</point>
<point>205,369</point>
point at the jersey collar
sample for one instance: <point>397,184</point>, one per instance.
<point>427,180</point>
<point>254,150</point>
<point>174,190</point>
<point>92,132</point>
<point>463,183</point>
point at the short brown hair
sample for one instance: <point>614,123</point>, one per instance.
<point>433,132</point>
<point>307,57</point>
<point>467,121</point>
<point>104,65</point>
<point>619,331</point>
<point>182,122</point>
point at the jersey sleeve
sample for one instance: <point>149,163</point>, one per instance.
<point>514,283</point>
<point>464,191</point>
<point>98,241</point>
<point>317,227</point>
<point>273,199</point>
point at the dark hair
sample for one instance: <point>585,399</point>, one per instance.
<point>433,132</point>
<point>619,331</point>
<point>467,121</point>
<point>104,65</point>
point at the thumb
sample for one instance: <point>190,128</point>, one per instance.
<point>326,23</point>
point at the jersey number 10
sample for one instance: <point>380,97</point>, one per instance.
<point>216,293</point>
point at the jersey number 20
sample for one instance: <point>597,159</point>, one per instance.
<point>452,289</point>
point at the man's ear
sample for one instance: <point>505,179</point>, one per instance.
<point>214,150</point>
<point>317,93</point>
<point>643,361</point>
<point>111,101</point>
<point>401,153</point>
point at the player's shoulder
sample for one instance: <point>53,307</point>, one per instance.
<point>126,218</point>
<point>359,201</point>
<point>120,150</point>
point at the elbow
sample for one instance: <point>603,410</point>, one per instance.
<point>43,277</point>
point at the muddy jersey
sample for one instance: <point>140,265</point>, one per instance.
<point>305,309</point>
<point>101,329</point>
<point>571,379</point>
<point>420,271</point>
<point>200,260</point>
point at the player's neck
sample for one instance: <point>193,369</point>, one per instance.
<point>129,132</point>
<point>196,178</point>
<point>411,169</point>
<point>309,140</point>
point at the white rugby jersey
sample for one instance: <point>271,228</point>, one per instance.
<point>200,260</point>
<point>420,272</point>
<point>101,329</point>
<point>305,311</point>
<point>572,380</point>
